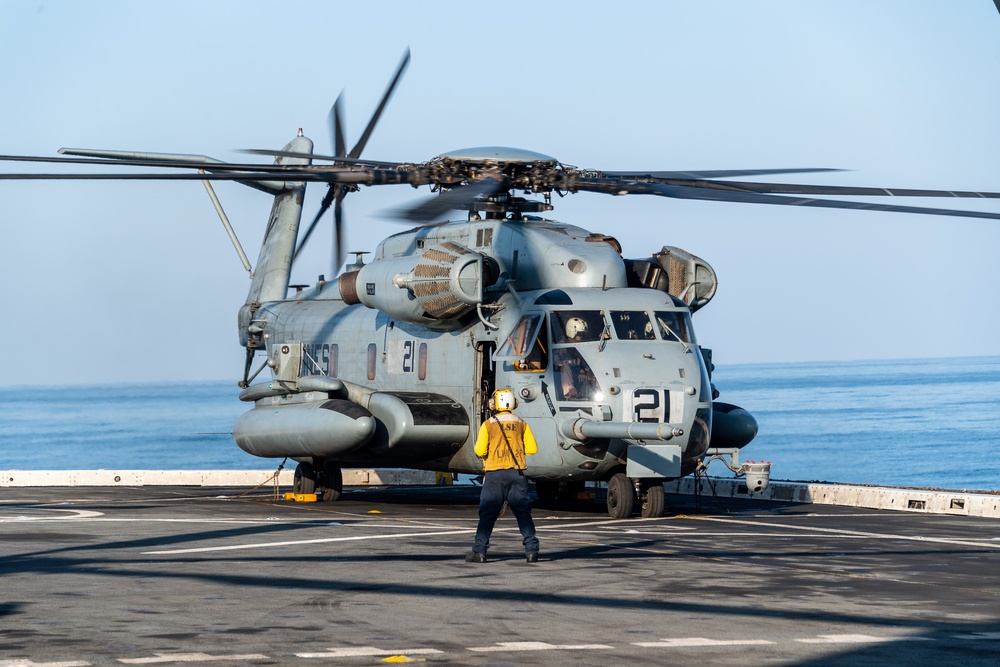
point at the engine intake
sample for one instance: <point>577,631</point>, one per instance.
<point>432,289</point>
<point>676,272</point>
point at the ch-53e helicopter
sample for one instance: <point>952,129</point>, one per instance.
<point>392,363</point>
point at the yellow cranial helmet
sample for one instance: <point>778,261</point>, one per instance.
<point>504,400</point>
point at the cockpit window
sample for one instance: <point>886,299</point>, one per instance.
<point>520,337</point>
<point>575,380</point>
<point>577,326</point>
<point>632,325</point>
<point>673,325</point>
<point>526,345</point>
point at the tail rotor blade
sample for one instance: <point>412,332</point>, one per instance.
<point>327,200</point>
<point>336,193</point>
<point>338,230</point>
<point>337,127</point>
<point>360,146</point>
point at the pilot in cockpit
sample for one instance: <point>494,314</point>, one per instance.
<point>576,330</point>
<point>576,381</point>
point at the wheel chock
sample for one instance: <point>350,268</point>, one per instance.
<point>302,497</point>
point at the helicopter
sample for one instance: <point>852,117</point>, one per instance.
<point>392,362</point>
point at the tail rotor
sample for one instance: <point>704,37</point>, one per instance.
<point>336,192</point>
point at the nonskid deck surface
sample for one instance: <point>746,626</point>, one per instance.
<point>172,575</point>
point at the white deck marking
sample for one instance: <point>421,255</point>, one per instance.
<point>850,533</point>
<point>701,641</point>
<point>500,647</point>
<point>366,652</point>
<point>859,639</point>
<point>322,540</point>
<point>189,657</point>
<point>536,646</point>
<point>73,514</point>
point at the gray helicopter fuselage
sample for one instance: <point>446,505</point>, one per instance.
<point>635,362</point>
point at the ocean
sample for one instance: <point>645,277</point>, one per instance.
<point>923,423</point>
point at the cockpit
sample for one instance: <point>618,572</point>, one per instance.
<point>566,338</point>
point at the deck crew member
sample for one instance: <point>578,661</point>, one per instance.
<point>504,441</point>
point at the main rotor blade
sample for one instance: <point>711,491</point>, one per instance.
<point>363,141</point>
<point>219,176</point>
<point>718,173</point>
<point>798,189</point>
<point>611,186</point>
<point>194,161</point>
<point>449,200</point>
<point>329,158</point>
<point>414,176</point>
<point>248,170</point>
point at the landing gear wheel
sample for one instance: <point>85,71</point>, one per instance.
<point>333,482</point>
<point>652,499</point>
<point>621,496</point>
<point>304,480</point>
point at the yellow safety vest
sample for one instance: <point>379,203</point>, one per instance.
<point>491,447</point>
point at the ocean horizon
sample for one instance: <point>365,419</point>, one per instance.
<point>928,423</point>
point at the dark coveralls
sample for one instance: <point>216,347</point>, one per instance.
<point>504,478</point>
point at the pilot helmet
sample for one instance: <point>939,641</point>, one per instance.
<point>504,400</point>
<point>574,327</point>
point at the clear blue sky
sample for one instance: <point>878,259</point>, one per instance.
<point>107,282</point>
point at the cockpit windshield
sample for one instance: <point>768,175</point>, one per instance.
<point>576,326</point>
<point>674,326</point>
<point>632,325</point>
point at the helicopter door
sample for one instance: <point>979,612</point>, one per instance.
<point>484,380</point>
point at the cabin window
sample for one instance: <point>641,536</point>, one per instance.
<point>422,361</point>
<point>632,325</point>
<point>577,326</point>
<point>372,354</point>
<point>675,326</point>
<point>575,380</point>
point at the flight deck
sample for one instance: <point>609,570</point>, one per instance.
<point>222,576</point>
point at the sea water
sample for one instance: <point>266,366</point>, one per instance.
<point>924,423</point>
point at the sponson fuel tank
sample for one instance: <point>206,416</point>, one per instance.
<point>732,426</point>
<point>301,425</point>
<point>276,428</point>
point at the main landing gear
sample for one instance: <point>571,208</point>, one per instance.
<point>624,495</point>
<point>324,478</point>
